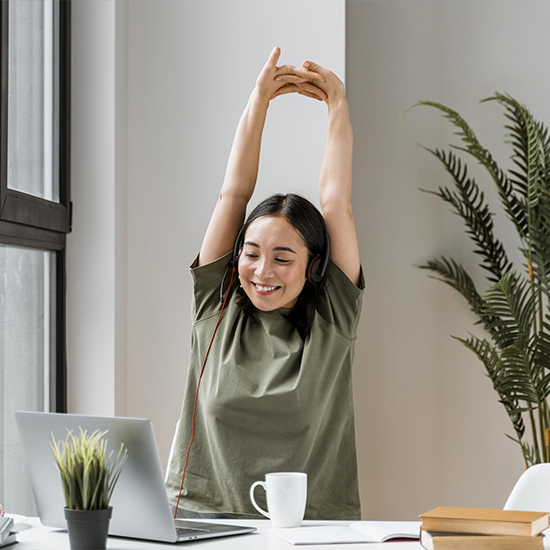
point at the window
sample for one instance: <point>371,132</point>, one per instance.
<point>34,220</point>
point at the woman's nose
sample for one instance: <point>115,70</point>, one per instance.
<point>264,268</point>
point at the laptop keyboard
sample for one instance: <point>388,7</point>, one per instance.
<point>189,531</point>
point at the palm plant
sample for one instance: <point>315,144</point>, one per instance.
<point>89,476</point>
<point>515,309</point>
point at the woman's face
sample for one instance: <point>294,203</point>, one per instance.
<point>272,264</point>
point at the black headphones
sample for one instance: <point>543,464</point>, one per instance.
<point>316,270</point>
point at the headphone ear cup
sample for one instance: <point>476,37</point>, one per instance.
<point>314,272</point>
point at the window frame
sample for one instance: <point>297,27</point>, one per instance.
<point>33,222</point>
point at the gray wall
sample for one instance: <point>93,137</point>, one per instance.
<point>430,428</point>
<point>158,91</point>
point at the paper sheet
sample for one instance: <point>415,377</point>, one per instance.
<point>356,532</point>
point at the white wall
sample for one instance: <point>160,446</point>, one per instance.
<point>159,87</point>
<point>192,66</point>
<point>97,246</point>
<point>91,246</point>
<point>158,90</point>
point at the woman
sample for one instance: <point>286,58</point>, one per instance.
<point>276,391</point>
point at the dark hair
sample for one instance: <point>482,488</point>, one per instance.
<point>308,221</point>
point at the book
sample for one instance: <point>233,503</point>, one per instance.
<point>355,532</point>
<point>465,541</point>
<point>484,521</point>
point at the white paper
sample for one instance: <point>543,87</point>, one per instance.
<point>356,532</point>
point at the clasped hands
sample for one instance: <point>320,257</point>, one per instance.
<point>310,80</point>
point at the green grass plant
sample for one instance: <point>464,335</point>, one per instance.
<point>88,475</point>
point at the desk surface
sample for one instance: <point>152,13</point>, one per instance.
<point>33,536</point>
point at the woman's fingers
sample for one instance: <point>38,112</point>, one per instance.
<point>303,84</point>
<point>332,85</point>
<point>291,78</point>
<point>287,89</point>
<point>286,70</point>
<point>273,58</point>
<point>311,67</point>
<point>301,87</point>
<point>312,90</point>
<point>309,94</point>
<point>310,80</point>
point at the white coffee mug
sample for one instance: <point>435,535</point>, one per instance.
<point>286,494</point>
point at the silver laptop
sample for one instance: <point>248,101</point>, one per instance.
<point>140,504</point>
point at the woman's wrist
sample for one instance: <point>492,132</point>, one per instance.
<point>260,98</point>
<point>338,105</point>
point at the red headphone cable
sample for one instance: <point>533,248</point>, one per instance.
<point>198,387</point>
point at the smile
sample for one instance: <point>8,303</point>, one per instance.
<point>262,289</point>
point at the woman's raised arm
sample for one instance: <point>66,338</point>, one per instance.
<point>336,173</point>
<point>242,168</point>
<point>336,179</point>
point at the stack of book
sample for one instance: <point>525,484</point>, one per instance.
<point>447,528</point>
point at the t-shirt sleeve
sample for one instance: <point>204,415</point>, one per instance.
<point>206,284</point>
<point>340,301</point>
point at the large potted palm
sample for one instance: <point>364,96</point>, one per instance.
<point>89,476</point>
<point>514,308</point>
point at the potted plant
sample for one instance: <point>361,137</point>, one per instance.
<point>515,308</point>
<point>89,477</point>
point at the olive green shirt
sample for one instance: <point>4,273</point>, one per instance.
<point>269,402</point>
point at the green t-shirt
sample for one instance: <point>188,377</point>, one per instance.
<point>269,402</point>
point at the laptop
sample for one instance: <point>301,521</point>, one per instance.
<point>140,504</point>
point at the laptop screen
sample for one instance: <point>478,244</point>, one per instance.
<point>140,503</point>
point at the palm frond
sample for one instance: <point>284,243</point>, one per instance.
<point>450,272</point>
<point>464,131</point>
<point>526,142</point>
<point>512,205</point>
<point>539,242</point>
<point>519,380</point>
<point>531,144</point>
<point>529,451</point>
<point>469,204</point>
<point>512,306</point>
<point>541,358</point>
<point>495,369</point>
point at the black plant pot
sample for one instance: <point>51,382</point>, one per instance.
<point>88,529</point>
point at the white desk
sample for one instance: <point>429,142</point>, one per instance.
<point>37,537</point>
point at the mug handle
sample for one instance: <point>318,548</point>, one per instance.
<point>252,487</point>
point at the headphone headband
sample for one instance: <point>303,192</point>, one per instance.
<point>239,242</point>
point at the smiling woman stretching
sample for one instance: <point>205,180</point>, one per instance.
<point>276,394</point>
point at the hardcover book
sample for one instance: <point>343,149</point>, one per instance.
<point>465,541</point>
<point>484,521</point>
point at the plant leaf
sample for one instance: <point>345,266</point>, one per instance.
<point>469,203</point>
<point>512,306</point>
<point>454,274</point>
<point>497,373</point>
<point>513,206</point>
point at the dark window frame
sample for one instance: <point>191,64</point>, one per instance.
<point>32,222</point>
